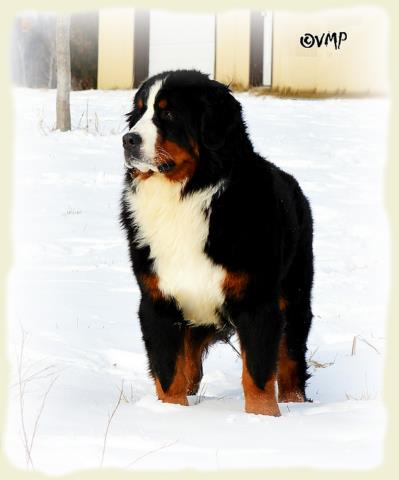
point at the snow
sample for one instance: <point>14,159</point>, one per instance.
<point>73,300</point>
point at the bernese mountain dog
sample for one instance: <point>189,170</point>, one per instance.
<point>220,242</point>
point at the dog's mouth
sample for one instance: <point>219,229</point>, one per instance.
<point>161,164</point>
<point>133,164</point>
<point>144,167</point>
<point>166,166</point>
<point>164,160</point>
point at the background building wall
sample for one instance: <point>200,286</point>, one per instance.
<point>233,47</point>
<point>84,50</point>
<point>181,40</point>
<point>358,67</point>
<point>267,48</point>
<point>115,48</point>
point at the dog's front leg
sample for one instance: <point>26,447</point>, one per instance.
<point>163,330</point>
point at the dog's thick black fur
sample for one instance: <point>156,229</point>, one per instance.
<point>259,232</point>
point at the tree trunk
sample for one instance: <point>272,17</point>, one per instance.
<point>63,73</point>
<point>50,71</point>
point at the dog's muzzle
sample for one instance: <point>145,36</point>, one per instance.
<point>134,158</point>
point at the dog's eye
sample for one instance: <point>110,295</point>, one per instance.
<point>167,115</point>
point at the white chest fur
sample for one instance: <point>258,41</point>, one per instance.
<point>176,230</point>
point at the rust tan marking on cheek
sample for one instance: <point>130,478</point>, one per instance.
<point>260,401</point>
<point>288,390</point>
<point>150,282</point>
<point>140,103</point>
<point>234,284</point>
<point>176,392</point>
<point>162,103</point>
<point>185,161</point>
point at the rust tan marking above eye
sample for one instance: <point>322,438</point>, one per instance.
<point>283,304</point>
<point>162,103</point>
<point>140,103</point>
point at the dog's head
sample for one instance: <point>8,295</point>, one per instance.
<point>181,122</point>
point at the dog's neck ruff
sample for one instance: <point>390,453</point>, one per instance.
<point>176,227</point>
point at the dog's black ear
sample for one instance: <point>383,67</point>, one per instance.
<point>222,112</point>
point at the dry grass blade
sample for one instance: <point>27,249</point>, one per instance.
<point>21,386</point>
<point>370,345</point>
<point>121,394</point>
<point>201,394</point>
<point>316,364</point>
<point>22,382</point>
<point>41,374</point>
<point>234,348</point>
<point>313,354</point>
<point>80,120</point>
<point>96,123</point>
<point>87,115</point>
<point>362,396</point>
<point>40,412</point>
<point>362,339</point>
<point>354,344</point>
<point>150,452</point>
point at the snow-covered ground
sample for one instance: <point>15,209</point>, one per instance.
<point>74,337</point>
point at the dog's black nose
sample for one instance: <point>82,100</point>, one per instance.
<point>131,140</point>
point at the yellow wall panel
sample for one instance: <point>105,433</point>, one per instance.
<point>115,49</point>
<point>232,47</point>
<point>358,67</point>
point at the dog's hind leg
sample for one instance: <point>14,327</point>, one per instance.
<point>296,307</point>
<point>259,331</point>
<point>196,342</point>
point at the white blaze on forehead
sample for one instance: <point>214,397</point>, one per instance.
<point>145,126</point>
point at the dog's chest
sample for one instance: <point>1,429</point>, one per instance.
<point>176,230</point>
